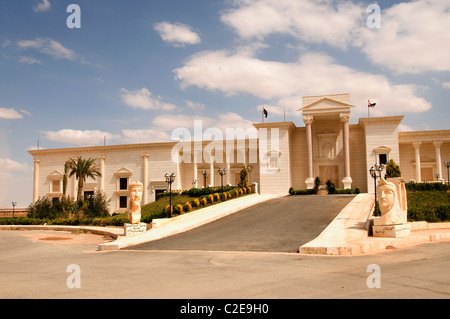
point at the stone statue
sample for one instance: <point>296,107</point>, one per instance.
<point>135,193</point>
<point>392,202</point>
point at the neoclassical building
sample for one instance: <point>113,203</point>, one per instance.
<point>282,156</point>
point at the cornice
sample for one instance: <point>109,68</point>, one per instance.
<point>424,136</point>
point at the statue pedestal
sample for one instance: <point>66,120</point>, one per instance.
<point>392,231</point>
<point>134,229</point>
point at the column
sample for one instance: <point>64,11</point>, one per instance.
<point>211,169</point>
<point>416,146</point>
<point>145,157</point>
<point>36,180</point>
<point>308,120</point>
<point>102,171</point>
<point>228,176</point>
<point>347,180</point>
<point>437,145</point>
<point>195,178</point>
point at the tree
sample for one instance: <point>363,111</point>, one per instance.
<point>244,180</point>
<point>83,169</point>
<point>392,170</point>
<point>65,177</point>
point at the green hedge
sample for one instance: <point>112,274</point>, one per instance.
<point>422,187</point>
<point>199,192</point>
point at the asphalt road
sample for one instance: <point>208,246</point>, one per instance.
<point>34,264</point>
<point>278,225</point>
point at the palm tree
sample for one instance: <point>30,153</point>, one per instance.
<point>82,169</point>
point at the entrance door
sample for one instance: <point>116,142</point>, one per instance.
<point>426,173</point>
<point>329,173</point>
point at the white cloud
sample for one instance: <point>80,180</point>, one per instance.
<point>28,60</point>
<point>165,127</point>
<point>9,114</point>
<point>19,185</point>
<point>77,137</point>
<point>42,6</point>
<point>49,47</point>
<point>312,74</point>
<point>8,165</point>
<point>143,99</point>
<point>322,21</point>
<point>195,105</point>
<point>145,136</point>
<point>177,34</point>
<point>446,85</point>
<point>413,37</point>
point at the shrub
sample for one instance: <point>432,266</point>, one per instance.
<point>210,198</point>
<point>224,196</point>
<point>331,187</point>
<point>421,187</point>
<point>302,191</point>
<point>169,209</point>
<point>178,209</point>
<point>357,190</point>
<point>317,184</point>
<point>203,201</point>
<point>216,197</point>
<point>236,192</point>
<point>195,203</point>
<point>392,170</point>
<point>187,207</point>
<point>249,190</point>
<point>243,175</point>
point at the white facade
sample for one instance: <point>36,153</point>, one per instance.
<point>283,156</point>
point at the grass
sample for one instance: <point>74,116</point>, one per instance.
<point>429,206</point>
<point>162,203</point>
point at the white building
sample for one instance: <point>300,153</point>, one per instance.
<point>283,156</point>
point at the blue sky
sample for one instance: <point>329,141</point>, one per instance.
<point>136,70</point>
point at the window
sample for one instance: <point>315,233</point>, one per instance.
<point>273,163</point>
<point>123,202</point>
<point>56,186</point>
<point>123,183</point>
<point>382,158</point>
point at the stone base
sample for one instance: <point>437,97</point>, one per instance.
<point>392,231</point>
<point>134,229</point>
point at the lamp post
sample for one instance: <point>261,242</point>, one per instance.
<point>447,164</point>
<point>170,179</point>
<point>375,172</point>
<point>13,205</point>
<point>205,175</point>
<point>222,172</point>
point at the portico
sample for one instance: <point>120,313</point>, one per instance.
<point>328,145</point>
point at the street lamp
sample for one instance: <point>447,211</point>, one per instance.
<point>205,175</point>
<point>170,179</point>
<point>222,172</point>
<point>13,205</point>
<point>447,164</point>
<point>375,172</point>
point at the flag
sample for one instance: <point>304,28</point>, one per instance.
<point>265,112</point>
<point>372,104</point>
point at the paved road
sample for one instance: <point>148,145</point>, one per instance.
<point>33,264</point>
<point>278,225</point>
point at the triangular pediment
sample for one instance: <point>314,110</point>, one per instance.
<point>326,104</point>
<point>124,172</point>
